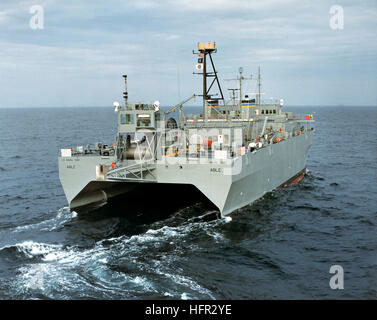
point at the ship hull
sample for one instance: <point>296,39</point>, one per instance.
<point>228,186</point>
<point>274,166</point>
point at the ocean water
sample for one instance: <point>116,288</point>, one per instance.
<point>280,247</point>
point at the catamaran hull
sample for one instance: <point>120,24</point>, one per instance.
<point>228,187</point>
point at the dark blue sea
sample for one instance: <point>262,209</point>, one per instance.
<point>280,247</point>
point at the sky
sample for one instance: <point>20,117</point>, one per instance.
<point>85,46</point>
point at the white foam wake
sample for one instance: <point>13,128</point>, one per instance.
<point>63,216</point>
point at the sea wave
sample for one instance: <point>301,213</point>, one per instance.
<point>63,216</point>
<point>152,255</point>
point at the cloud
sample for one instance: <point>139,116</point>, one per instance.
<point>152,40</point>
<point>168,37</point>
<point>5,16</point>
<point>212,5</point>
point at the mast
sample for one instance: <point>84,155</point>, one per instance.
<point>259,85</point>
<point>125,93</point>
<point>205,49</point>
<point>233,94</point>
<point>204,86</point>
<point>241,78</point>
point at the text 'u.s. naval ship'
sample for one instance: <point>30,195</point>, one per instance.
<point>233,152</point>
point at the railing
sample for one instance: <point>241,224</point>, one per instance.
<point>137,170</point>
<point>134,172</point>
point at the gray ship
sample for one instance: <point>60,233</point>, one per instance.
<point>233,153</point>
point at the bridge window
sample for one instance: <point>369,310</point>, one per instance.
<point>143,120</point>
<point>127,118</point>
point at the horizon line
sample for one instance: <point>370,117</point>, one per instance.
<point>194,106</point>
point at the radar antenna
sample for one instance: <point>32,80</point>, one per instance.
<point>239,78</point>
